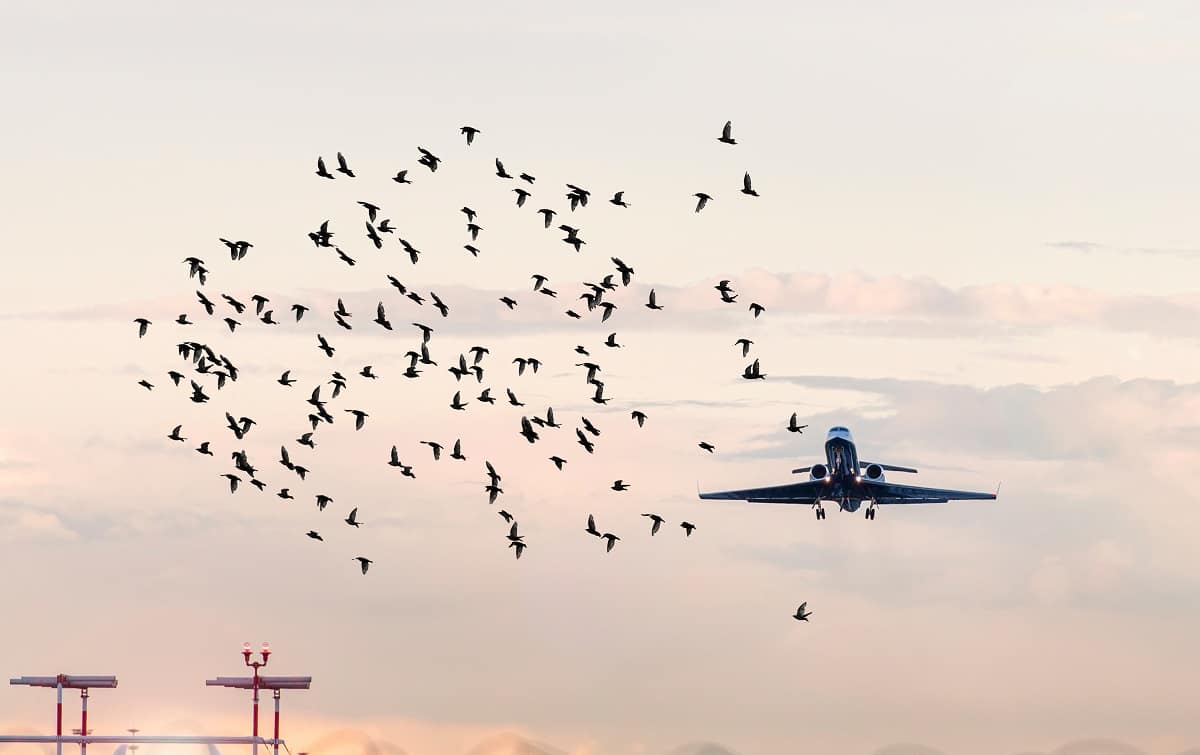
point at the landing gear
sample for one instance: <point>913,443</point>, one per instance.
<point>870,512</point>
<point>820,513</point>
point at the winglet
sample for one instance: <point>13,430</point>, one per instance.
<point>997,493</point>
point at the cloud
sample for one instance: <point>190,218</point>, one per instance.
<point>1089,247</point>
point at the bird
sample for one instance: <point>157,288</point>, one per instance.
<point>512,398</point>
<point>746,187</point>
<point>174,435</point>
<point>401,177</point>
<point>284,379</point>
<point>801,614</point>
<point>233,481</point>
<point>757,309</point>
<point>321,171</point>
<point>520,547</point>
<point>146,384</point>
<point>598,396</point>
<point>363,562</point>
<point>687,527</point>
<point>611,341</point>
<point>474,250</point>
<point>612,540</point>
<point>428,159</point>
<point>522,195</point>
<point>587,425</point>
<point>374,236</point>
<point>474,230</point>
<point>456,452</point>
<point>547,215</point>
<point>436,447</point>
<point>753,372</point>
<point>500,171</point>
<point>745,344</point>
<point>638,416</point>
<point>182,320</point>
<point>527,178</point>
<point>512,533</point>
<point>315,535</point>
<point>440,305</point>
<point>703,200</point>
<point>527,430</point>
<point>324,346</point>
<point>381,317</point>
<point>323,501</point>
<point>657,522</point>
<point>591,527</point>
<point>620,485</point>
<point>652,303</point>
<point>457,402</point>
<point>469,132</point>
<point>507,517</point>
<point>727,134</point>
<point>793,427</point>
<point>508,301</point>
<point>343,167</point>
<point>352,520</point>
<point>360,417</point>
<point>558,462</point>
<point>143,325</point>
<point>299,309</point>
<point>203,449</point>
<point>707,446</point>
<point>618,201</point>
<point>237,249</point>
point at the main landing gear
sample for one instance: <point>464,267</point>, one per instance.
<point>870,512</point>
<point>820,512</point>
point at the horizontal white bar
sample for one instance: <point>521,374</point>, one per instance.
<point>264,682</point>
<point>72,681</point>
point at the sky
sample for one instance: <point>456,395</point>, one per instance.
<point>977,247</point>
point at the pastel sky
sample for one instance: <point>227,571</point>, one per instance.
<point>977,246</point>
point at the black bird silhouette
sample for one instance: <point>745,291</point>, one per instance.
<point>176,377</point>
<point>375,238</point>
<point>237,249</point>
<point>352,519</point>
<point>232,323</point>
<point>558,462</point>
<point>612,540</point>
<point>367,373</point>
<point>703,200</point>
<point>182,320</point>
<point>323,501</point>
<point>471,214</point>
<point>727,134</point>
<point>474,250</point>
<point>456,452</point>
<point>527,178</point>
<point>401,177</point>
<point>386,226</point>
<point>625,270</point>
<point>522,195</point>
<point>426,332</point>
<point>306,440</point>
<point>707,446</point>
<point>436,447</point>
<point>520,547</point>
<point>324,346</point>
<point>457,402</point>
<point>143,325</point>
<point>587,425</point>
<point>204,302</point>
<point>612,341</point>
<point>653,304</point>
<point>512,534</point>
<point>757,309</point>
<point>793,427</point>
<point>174,435</point>
<point>486,397</point>
<point>428,159</point>
<point>746,187</point>
<point>203,449</point>
<point>508,301</point>
<point>198,395</point>
<point>363,562</point>
<point>745,344</point>
<point>285,494</point>
<point>638,416</point>
<point>233,481</point>
<point>598,396</point>
<point>512,398</point>
<point>753,372</point>
<point>372,210</point>
<point>315,535</point>
<point>299,309</point>
<point>440,305</point>
<point>620,485</point>
<point>343,167</point>
<point>591,527</point>
<point>360,417</point>
<point>547,215</point>
<point>381,317</point>
<point>583,441</point>
<point>237,305</point>
<point>687,527</point>
<point>618,201</point>
<point>657,522</point>
<point>801,614</point>
<point>474,230</point>
<point>146,384</point>
<point>507,517</point>
<point>527,430</point>
<point>344,257</point>
<point>500,169</point>
<point>284,379</point>
<point>321,171</point>
<point>469,132</point>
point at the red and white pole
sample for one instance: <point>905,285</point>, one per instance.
<point>255,732</point>
<point>276,742</point>
<point>58,727</point>
<point>83,696</point>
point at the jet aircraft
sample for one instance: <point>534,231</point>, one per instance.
<point>847,481</point>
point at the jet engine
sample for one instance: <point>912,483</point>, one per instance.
<point>873,472</point>
<point>818,471</point>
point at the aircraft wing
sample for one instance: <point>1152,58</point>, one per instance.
<point>796,492</point>
<point>889,492</point>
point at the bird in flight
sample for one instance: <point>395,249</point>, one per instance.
<point>315,535</point>
<point>747,188</point>
<point>653,303</point>
<point>611,539</point>
<point>703,200</point>
<point>687,527</point>
<point>352,520</point>
<point>726,136</point>
<point>363,562</point>
<point>793,427</point>
<point>520,547</point>
<point>469,132</point>
<point>143,325</point>
<point>801,614</point>
<point>745,344</point>
<point>618,200</point>
<point>321,171</point>
<point>707,446</point>
<point>657,522</point>
<point>344,169</point>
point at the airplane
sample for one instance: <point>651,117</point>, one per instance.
<point>847,481</point>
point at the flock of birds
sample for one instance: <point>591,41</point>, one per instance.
<point>211,367</point>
